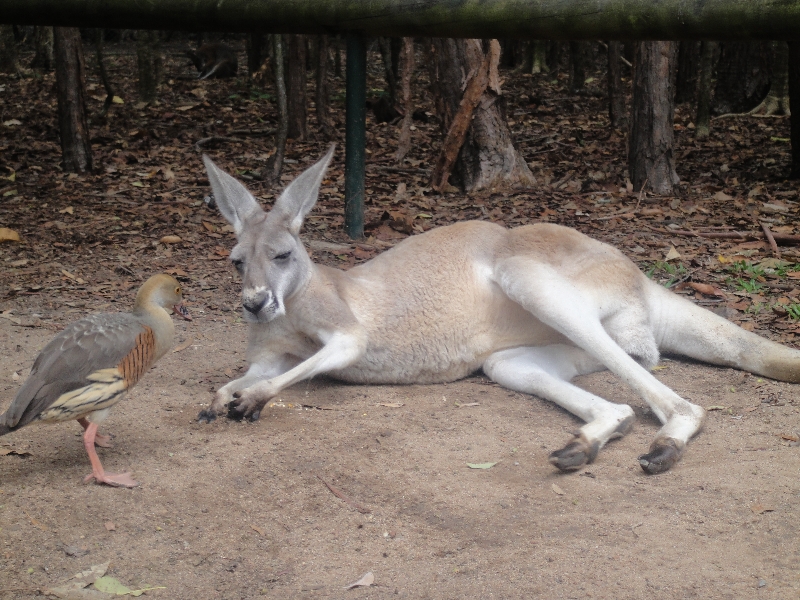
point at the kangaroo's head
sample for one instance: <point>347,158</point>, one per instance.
<point>269,255</point>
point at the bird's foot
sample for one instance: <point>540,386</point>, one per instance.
<point>112,479</point>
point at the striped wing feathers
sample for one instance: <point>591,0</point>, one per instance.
<point>94,359</point>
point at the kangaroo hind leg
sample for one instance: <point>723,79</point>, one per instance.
<point>545,372</point>
<point>578,311</point>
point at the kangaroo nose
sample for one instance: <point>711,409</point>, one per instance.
<point>254,303</point>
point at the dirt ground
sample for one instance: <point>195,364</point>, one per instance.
<point>247,510</point>
<point>241,510</point>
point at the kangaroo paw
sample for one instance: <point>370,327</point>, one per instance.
<point>664,453</point>
<point>574,455</point>
<point>240,409</point>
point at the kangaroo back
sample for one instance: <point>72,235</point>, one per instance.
<point>681,327</point>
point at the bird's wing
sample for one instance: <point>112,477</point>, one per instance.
<point>84,347</point>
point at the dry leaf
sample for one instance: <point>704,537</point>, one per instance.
<point>467,404</point>
<point>367,580</point>
<point>209,226</point>
<point>557,490</point>
<point>704,288</point>
<point>117,100</point>
<point>8,235</point>
<point>488,465</point>
<point>258,530</point>
<point>170,239</point>
<point>391,404</point>
<point>69,210</point>
<point>722,196</point>
<point>672,254</point>
<point>109,525</point>
<point>789,437</point>
<point>12,122</point>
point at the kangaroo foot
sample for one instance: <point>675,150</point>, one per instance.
<point>664,453</point>
<point>574,455</point>
<point>206,416</point>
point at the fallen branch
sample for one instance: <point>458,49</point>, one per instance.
<point>339,494</point>
<point>771,239</point>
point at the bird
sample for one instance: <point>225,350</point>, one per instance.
<point>87,368</point>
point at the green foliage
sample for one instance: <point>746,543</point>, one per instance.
<point>665,273</point>
<point>751,286</point>
<point>793,311</point>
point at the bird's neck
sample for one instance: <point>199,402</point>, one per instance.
<point>159,320</point>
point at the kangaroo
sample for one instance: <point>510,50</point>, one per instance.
<point>214,61</point>
<point>532,307</point>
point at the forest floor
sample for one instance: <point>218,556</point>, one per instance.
<point>335,480</point>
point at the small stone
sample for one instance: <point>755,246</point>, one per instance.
<point>762,583</point>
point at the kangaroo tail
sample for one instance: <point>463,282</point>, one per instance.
<point>682,327</point>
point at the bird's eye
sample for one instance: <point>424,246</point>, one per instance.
<point>283,255</point>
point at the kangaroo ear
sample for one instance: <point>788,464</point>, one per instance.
<point>234,201</point>
<point>301,195</point>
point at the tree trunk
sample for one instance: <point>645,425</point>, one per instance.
<point>323,97</point>
<point>650,158</point>
<point>539,56</point>
<point>8,50</point>
<point>70,77</point>
<point>487,158</point>
<point>256,52</point>
<point>150,65</point>
<point>742,77</point>
<point>296,86</point>
<point>688,66</point>
<point>616,94</point>
<point>389,68</point>
<point>794,99</point>
<point>777,100</point>
<point>406,71</point>
<point>275,166</point>
<point>578,57</point>
<point>703,121</point>
<point>43,59</point>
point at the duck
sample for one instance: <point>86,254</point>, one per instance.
<point>88,367</point>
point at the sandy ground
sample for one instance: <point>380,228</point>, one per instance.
<point>244,510</point>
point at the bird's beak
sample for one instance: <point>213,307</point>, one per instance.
<point>182,311</point>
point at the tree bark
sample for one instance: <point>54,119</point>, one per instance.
<point>275,166</point>
<point>256,52</point>
<point>743,73</point>
<point>76,150</point>
<point>578,57</point>
<point>703,121</point>
<point>538,49</point>
<point>323,96</point>
<point>296,86</point>
<point>688,67</point>
<point>8,50</point>
<point>794,102</point>
<point>650,155</point>
<point>616,94</point>
<point>487,158</point>
<point>406,71</point>
<point>150,65</point>
<point>43,59</point>
<point>777,100</point>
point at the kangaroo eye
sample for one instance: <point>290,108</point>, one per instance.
<point>238,263</point>
<point>283,255</point>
